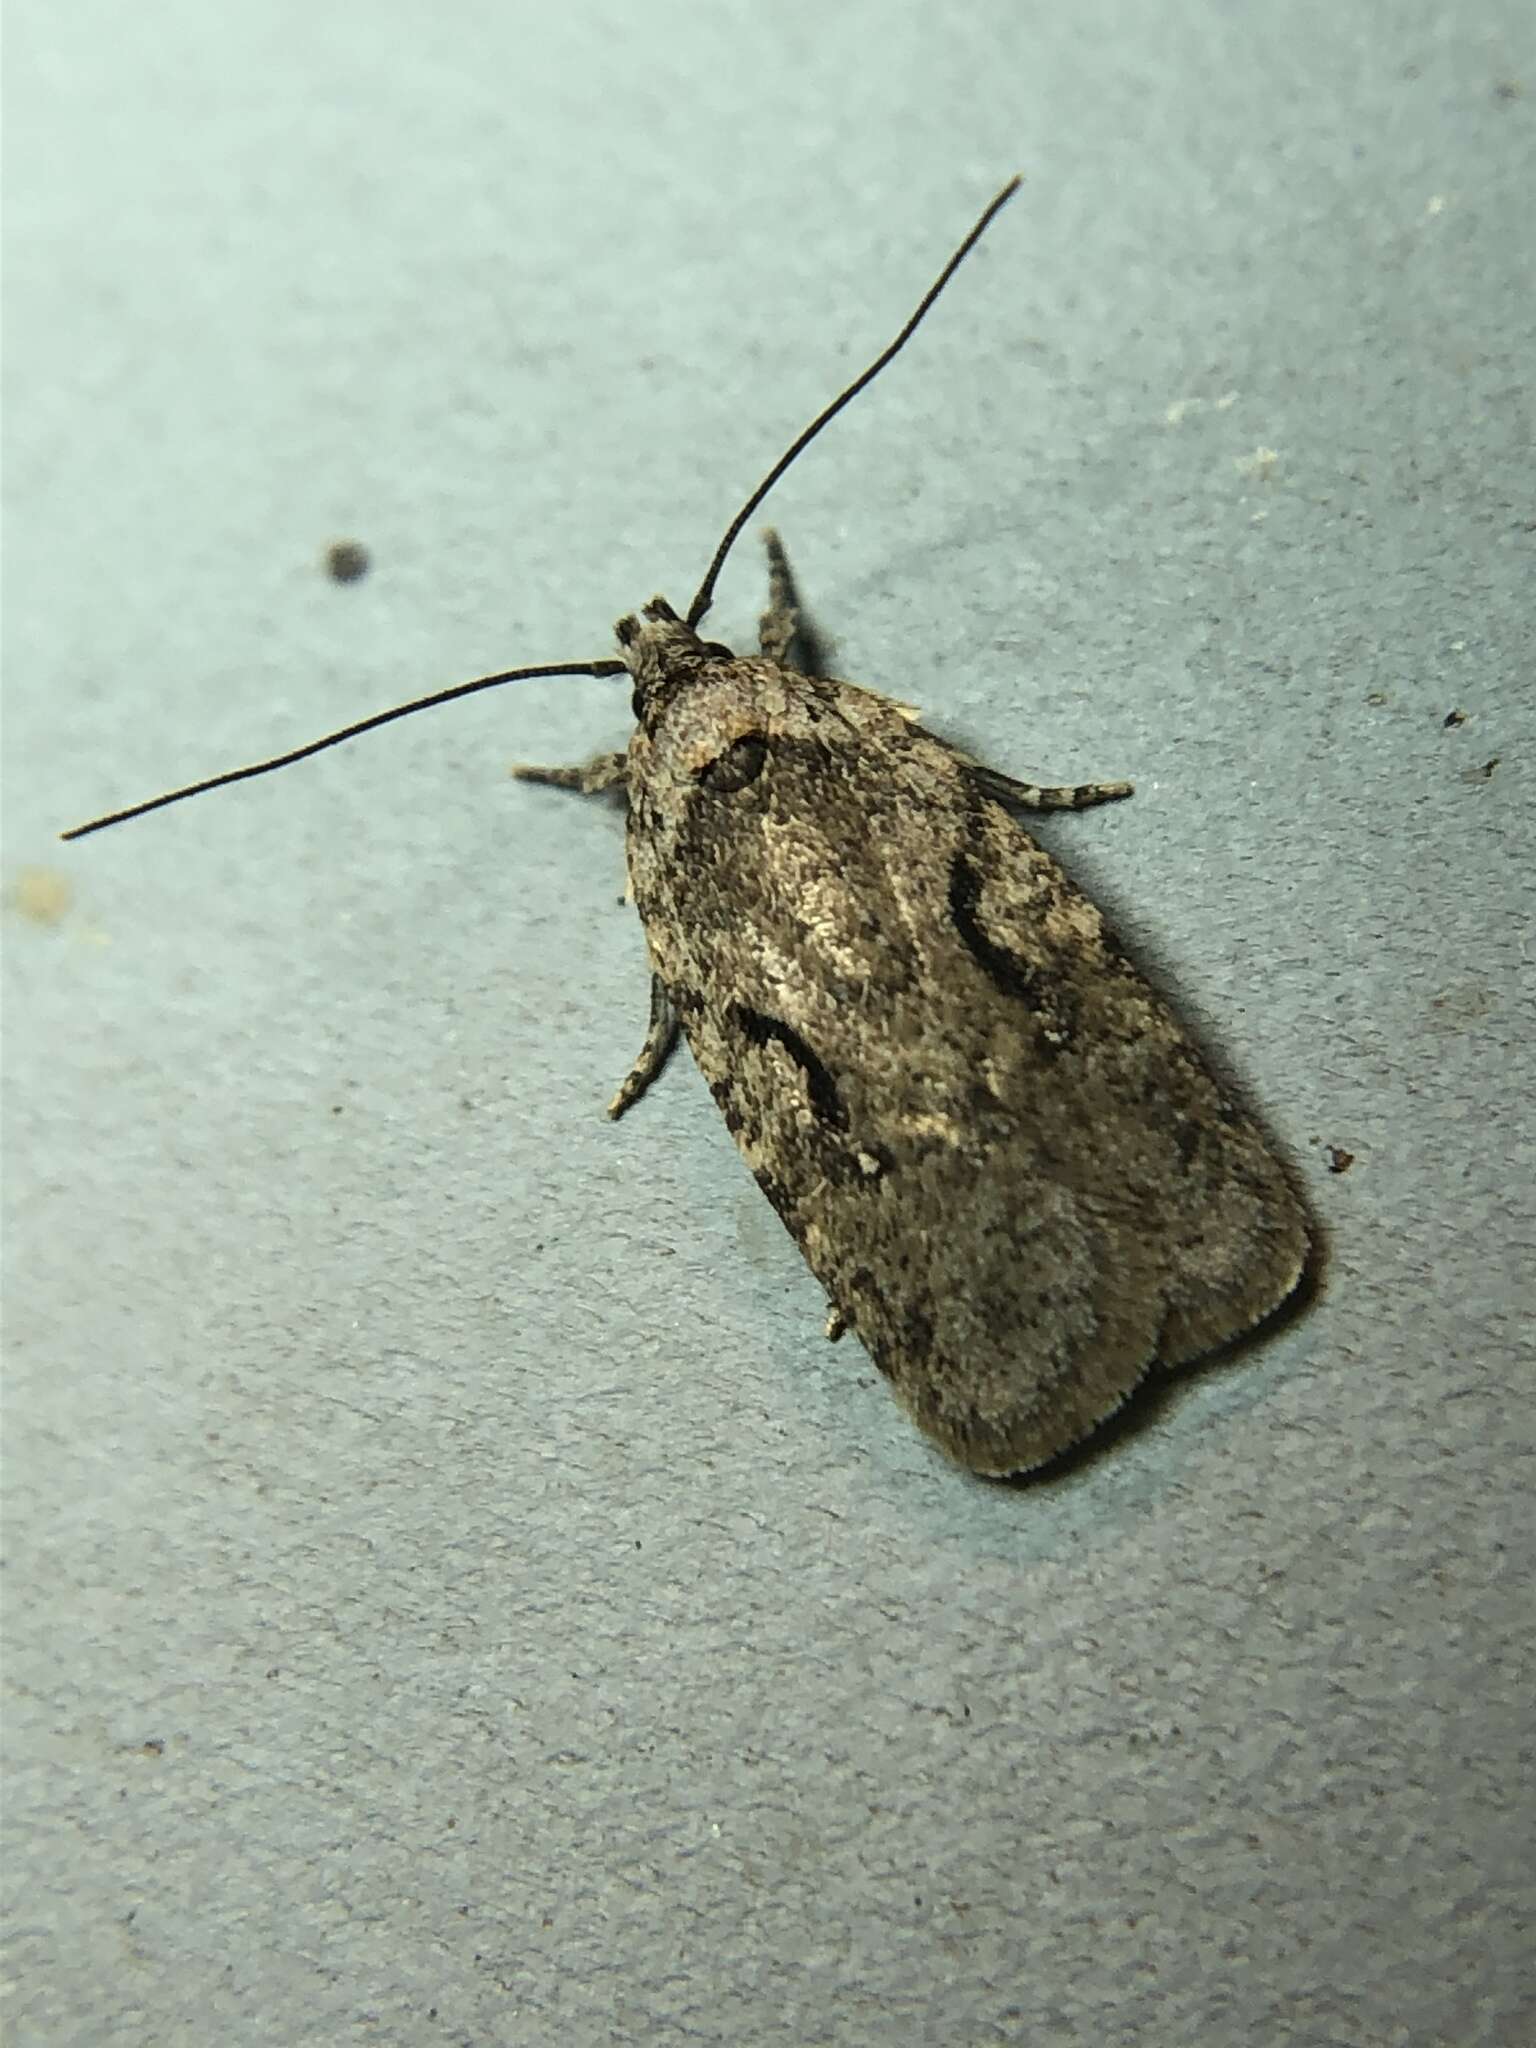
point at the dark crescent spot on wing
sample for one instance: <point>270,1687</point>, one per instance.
<point>740,763</point>
<point>1015,977</point>
<point>757,1029</point>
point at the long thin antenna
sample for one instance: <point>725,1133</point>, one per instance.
<point>706,591</point>
<point>696,610</point>
<point>347,732</point>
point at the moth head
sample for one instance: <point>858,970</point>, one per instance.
<point>660,650</point>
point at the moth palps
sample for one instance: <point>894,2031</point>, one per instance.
<point>1003,1157</point>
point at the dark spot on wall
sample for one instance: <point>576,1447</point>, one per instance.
<point>346,561</point>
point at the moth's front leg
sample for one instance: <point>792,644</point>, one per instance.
<point>587,778</point>
<point>660,1042</point>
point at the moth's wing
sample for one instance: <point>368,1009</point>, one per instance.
<point>1000,1153</point>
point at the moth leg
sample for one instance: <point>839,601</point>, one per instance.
<point>660,1041</point>
<point>784,633</point>
<point>1031,796</point>
<point>587,778</point>
<point>779,626</point>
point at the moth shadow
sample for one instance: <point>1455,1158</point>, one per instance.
<point>812,651</point>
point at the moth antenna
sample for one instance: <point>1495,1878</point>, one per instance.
<point>346,732</point>
<point>703,598</point>
<point>706,590</point>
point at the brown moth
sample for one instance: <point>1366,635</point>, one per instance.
<point>1001,1154</point>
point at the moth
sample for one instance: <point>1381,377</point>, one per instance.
<point>1001,1154</point>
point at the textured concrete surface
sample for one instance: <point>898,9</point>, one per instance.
<point>453,1593</point>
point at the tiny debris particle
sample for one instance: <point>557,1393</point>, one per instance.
<point>41,895</point>
<point>346,561</point>
<point>1183,408</point>
<point>1483,772</point>
<point>1456,1009</point>
<point>1260,465</point>
<point>1454,718</point>
<point>1339,1161</point>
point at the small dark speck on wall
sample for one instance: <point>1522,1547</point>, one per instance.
<point>346,561</point>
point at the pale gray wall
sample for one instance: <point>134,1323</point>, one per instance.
<point>454,1592</point>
